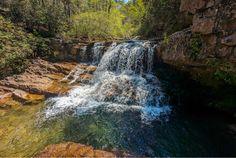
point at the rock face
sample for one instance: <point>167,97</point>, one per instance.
<point>211,36</point>
<point>76,150</point>
<point>76,49</point>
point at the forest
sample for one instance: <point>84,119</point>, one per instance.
<point>104,19</point>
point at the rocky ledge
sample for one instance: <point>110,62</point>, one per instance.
<point>71,149</point>
<point>41,79</point>
<point>208,47</point>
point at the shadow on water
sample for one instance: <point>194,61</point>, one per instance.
<point>191,130</point>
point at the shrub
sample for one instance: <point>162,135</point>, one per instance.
<point>17,47</point>
<point>99,24</point>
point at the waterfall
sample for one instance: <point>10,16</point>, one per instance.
<point>122,82</point>
<point>95,53</point>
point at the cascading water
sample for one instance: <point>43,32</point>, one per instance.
<point>93,51</point>
<point>122,82</point>
<point>97,52</point>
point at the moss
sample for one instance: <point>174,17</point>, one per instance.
<point>223,70</point>
<point>166,38</point>
<point>195,47</point>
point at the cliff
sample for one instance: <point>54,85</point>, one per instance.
<point>206,48</point>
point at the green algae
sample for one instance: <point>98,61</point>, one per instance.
<point>20,134</point>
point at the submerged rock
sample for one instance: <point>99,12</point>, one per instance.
<point>71,149</point>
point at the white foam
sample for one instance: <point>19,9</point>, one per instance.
<point>122,82</point>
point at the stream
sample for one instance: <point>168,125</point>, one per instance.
<point>131,105</point>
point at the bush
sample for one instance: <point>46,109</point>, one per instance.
<point>100,25</point>
<point>17,47</point>
<point>46,16</point>
<point>223,70</point>
<point>160,18</point>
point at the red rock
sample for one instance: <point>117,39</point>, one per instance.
<point>71,149</point>
<point>41,78</point>
<point>4,99</point>
<point>27,97</point>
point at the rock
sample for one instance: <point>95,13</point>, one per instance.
<point>191,6</point>
<point>203,25</point>
<point>85,78</point>
<point>83,73</point>
<point>40,79</point>
<point>229,41</point>
<point>176,50</point>
<point>23,96</point>
<point>4,99</point>
<point>212,37</point>
<point>71,149</point>
<point>44,79</point>
<point>57,88</point>
<point>91,69</point>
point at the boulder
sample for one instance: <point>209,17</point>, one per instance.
<point>71,149</point>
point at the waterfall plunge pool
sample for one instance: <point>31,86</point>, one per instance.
<point>125,107</point>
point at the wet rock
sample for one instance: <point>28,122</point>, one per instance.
<point>4,99</point>
<point>91,69</point>
<point>25,97</point>
<point>41,79</point>
<point>85,78</point>
<point>83,73</point>
<point>71,149</point>
<point>44,79</point>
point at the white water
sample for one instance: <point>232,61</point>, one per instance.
<point>97,52</point>
<point>123,82</point>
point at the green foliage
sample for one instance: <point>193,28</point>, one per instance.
<point>223,71</point>
<point>16,47</point>
<point>166,38</point>
<point>134,12</point>
<point>160,17</point>
<point>99,24</point>
<point>39,15</point>
<point>106,19</point>
<point>195,47</point>
<point>88,18</point>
